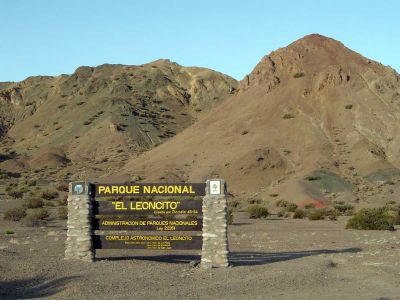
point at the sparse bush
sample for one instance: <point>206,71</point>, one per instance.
<point>299,214</point>
<point>257,211</point>
<point>15,214</point>
<point>50,204</point>
<point>332,214</point>
<point>299,75</point>
<point>371,219</point>
<point>309,206</point>
<point>254,200</point>
<point>63,213</point>
<point>49,195</point>
<point>287,116</point>
<point>394,214</point>
<point>345,209</point>
<point>31,183</point>
<point>9,232</point>
<point>229,216</point>
<point>24,189</point>
<point>291,207</point>
<point>316,214</point>
<point>234,203</point>
<point>281,203</point>
<point>63,201</point>
<point>33,221</point>
<point>34,203</point>
<point>281,213</point>
<point>63,187</point>
<point>312,178</point>
<point>41,213</point>
<point>349,106</point>
<point>15,194</point>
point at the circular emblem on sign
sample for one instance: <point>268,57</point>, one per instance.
<point>78,189</point>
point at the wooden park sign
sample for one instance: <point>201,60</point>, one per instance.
<point>148,216</point>
<point>163,215</point>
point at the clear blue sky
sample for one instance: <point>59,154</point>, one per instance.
<point>51,37</point>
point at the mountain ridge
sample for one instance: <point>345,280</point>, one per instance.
<point>312,106</point>
<point>132,108</point>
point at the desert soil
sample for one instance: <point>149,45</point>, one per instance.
<point>271,259</point>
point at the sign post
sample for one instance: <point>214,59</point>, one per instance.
<point>79,243</point>
<point>215,241</point>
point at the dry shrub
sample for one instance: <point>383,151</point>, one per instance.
<point>15,214</point>
<point>34,203</point>
<point>63,213</point>
<point>257,211</point>
<point>372,219</point>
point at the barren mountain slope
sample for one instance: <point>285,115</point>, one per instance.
<point>103,115</point>
<point>312,120</point>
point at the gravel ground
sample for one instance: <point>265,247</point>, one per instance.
<point>271,259</point>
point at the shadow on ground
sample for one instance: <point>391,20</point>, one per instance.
<point>32,288</point>
<point>239,258</point>
<point>260,258</point>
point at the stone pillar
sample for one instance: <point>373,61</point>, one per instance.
<point>215,240</point>
<point>79,244</point>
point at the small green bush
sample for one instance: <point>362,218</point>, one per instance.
<point>299,214</point>
<point>24,189</point>
<point>9,232</point>
<point>49,195</point>
<point>15,214</point>
<point>291,207</point>
<point>371,219</point>
<point>395,215</point>
<point>299,75</point>
<point>288,116</point>
<point>31,182</point>
<point>316,214</point>
<point>34,203</point>
<point>257,211</point>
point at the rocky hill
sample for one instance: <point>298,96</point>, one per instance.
<point>313,120</point>
<point>99,116</point>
